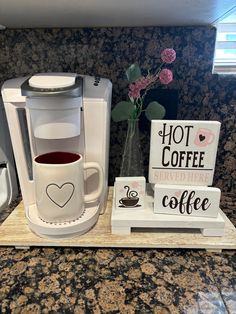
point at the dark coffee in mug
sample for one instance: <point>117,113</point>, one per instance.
<point>57,158</point>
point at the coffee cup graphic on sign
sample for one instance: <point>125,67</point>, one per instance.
<point>131,199</point>
<point>204,137</point>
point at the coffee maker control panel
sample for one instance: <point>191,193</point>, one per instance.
<point>96,88</point>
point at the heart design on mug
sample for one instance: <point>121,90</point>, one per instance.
<point>177,193</point>
<point>202,137</point>
<point>60,195</point>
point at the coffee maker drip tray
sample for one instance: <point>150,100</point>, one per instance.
<point>62,230</point>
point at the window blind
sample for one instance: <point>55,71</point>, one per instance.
<point>225,48</point>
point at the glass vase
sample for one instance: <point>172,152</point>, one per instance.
<point>132,161</point>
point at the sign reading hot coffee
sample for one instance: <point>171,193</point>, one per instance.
<point>183,152</point>
<point>186,200</point>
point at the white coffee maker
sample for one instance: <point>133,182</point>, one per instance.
<point>59,112</point>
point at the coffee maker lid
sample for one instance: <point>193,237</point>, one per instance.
<point>53,84</point>
<point>52,80</point>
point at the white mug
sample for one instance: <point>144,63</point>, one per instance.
<point>59,186</point>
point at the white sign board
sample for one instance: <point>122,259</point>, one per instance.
<point>186,200</point>
<point>183,152</point>
<point>130,192</point>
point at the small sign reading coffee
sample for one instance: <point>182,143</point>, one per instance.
<point>183,152</point>
<point>186,200</point>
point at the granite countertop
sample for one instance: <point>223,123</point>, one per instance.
<point>81,280</point>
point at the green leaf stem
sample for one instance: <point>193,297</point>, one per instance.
<point>155,111</point>
<point>133,73</point>
<point>122,111</point>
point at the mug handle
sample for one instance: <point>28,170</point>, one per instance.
<point>94,196</point>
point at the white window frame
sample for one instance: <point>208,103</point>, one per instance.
<point>223,65</point>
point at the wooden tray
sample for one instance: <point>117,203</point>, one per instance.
<point>15,232</point>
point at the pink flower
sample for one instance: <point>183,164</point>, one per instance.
<point>168,55</point>
<point>166,76</point>
<point>134,91</point>
<point>142,83</point>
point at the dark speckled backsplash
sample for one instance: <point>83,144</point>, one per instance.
<point>107,52</point>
